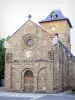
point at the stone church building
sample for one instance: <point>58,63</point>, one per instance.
<point>39,58</point>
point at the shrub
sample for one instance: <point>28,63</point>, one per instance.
<point>73,90</point>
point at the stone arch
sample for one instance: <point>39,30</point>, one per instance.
<point>27,80</point>
<point>42,79</point>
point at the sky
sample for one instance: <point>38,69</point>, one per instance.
<point>14,13</point>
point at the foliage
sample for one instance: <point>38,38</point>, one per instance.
<point>73,89</point>
<point>2,58</point>
<point>8,38</point>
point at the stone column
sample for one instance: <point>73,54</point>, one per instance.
<point>8,76</point>
<point>49,76</point>
<point>8,65</point>
<point>35,83</point>
<point>56,74</point>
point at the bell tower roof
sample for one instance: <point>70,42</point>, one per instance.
<point>56,15</point>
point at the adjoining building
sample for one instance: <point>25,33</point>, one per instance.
<point>39,58</point>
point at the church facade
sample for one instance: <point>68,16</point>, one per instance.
<point>38,57</point>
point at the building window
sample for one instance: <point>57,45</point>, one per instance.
<point>29,42</point>
<point>54,15</point>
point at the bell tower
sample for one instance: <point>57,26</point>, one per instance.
<point>56,22</point>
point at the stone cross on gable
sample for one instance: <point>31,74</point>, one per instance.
<point>29,16</point>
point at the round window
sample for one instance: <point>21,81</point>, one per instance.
<point>29,42</point>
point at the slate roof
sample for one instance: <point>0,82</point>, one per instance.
<point>66,50</point>
<point>59,16</point>
<point>73,58</point>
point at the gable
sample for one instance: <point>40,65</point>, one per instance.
<point>29,28</point>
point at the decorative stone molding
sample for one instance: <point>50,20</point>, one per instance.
<point>30,41</point>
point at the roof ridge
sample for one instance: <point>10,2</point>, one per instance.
<point>24,24</point>
<point>56,17</point>
<point>17,29</point>
<point>65,47</point>
<point>40,27</point>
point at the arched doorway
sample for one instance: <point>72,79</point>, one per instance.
<point>28,81</point>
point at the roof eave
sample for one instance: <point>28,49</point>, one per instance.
<point>57,20</point>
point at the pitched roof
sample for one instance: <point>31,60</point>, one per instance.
<point>66,50</point>
<point>73,58</point>
<point>26,23</point>
<point>56,15</point>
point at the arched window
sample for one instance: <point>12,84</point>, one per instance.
<point>54,15</point>
<point>28,73</point>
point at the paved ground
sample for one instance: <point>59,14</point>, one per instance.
<point>32,96</point>
<point>57,97</point>
<point>14,98</point>
<point>46,97</point>
<point>25,96</point>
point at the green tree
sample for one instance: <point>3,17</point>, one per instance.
<point>8,38</point>
<point>2,58</point>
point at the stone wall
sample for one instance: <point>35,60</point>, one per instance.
<point>60,68</point>
<point>62,28</point>
<point>15,75</point>
<point>48,64</point>
<point>71,76</point>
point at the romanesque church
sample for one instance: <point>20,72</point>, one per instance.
<point>39,58</point>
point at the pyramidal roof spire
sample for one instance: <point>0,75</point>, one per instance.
<point>56,15</point>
